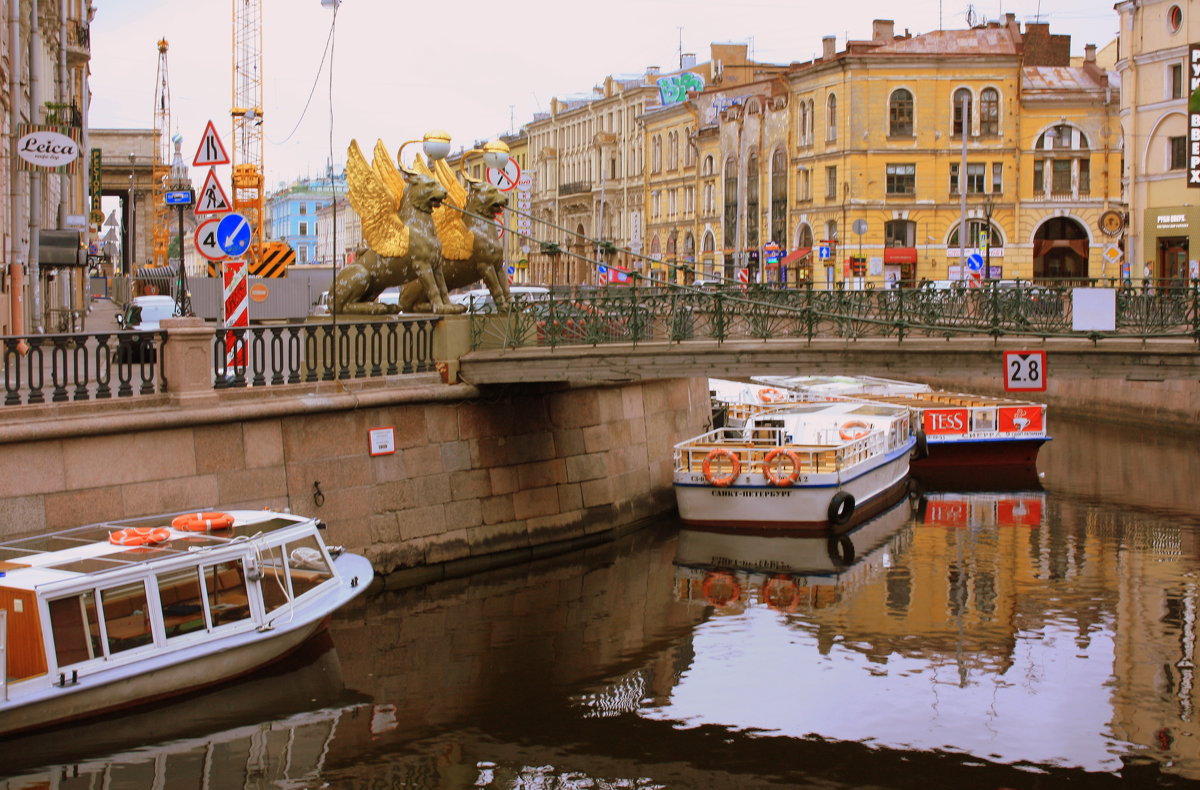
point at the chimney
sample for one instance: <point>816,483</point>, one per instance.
<point>688,60</point>
<point>651,71</point>
<point>1089,53</point>
<point>828,47</point>
<point>882,31</point>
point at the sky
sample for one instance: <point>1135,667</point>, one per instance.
<point>394,70</point>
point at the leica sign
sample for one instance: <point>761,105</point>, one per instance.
<point>47,149</point>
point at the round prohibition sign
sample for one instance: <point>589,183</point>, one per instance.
<point>506,179</point>
<point>206,240</point>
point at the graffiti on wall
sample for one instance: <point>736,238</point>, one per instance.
<point>674,88</point>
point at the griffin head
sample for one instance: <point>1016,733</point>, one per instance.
<point>485,199</point>
<point>425,193</point>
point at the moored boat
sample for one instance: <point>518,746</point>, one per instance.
<point>116,614</point>
<point>799,467</point>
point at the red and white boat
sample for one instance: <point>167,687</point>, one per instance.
<point>113,615</point>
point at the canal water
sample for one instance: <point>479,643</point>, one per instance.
<point>1016,631</point>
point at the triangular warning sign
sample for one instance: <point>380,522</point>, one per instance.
<point>211,197</point>
<point>211,151</point>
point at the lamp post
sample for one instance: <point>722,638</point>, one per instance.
<point>181,185</point>
<point>986,236</point>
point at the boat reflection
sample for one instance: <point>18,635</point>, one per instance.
<point>269,730</point>
<point>787,574</point>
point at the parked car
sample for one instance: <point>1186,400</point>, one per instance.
<point>142,314</point>
<point>480,299</point>
<point>321,306</point>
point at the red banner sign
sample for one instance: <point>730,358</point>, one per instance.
<point>1018,419</point>
<point>945,421</point>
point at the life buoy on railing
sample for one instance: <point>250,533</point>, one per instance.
<point>728,588</point>
<point>139,536</point>
<point>735,464</point>
<point>202,522</point>
<point>854,429</point>
<point>781,593</point>
<point>775,478</point>
<point>771,395</point>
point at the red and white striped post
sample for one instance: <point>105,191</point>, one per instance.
<point>237,311</point>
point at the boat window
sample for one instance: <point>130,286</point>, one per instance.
<point>274,584</point>
<point>126,619</point>
<point>182,601</point>
<point>75,629</point>
<point>306,565</point>
<point>225,585</point>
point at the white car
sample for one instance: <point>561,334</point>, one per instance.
<point>480,299</point>
<point>144,312</point>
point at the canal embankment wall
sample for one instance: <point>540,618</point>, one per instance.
<point>471,478</point>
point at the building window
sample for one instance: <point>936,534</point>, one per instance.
<point>752,201</point>
<point>303,208</point>
<point>900,114</point>
<point>997,178</point>
<point>804,185</point>
<point>303,228</point>
<point>976,175</point>
<point>1064,169</point>
<point>656,155</point>
<point>1178,147</point>
<point>989,112</point>
<point>900,233</point>
<point>831,182</point>
<point>901,179</point>
<point>962,111</point>
<point>710,207</point>
<point>730,198</point>
<point>1176,80</point>
<point>802,123</point>
<point>831,118</point>
<point>1175,18</point>
<point>778,195</point>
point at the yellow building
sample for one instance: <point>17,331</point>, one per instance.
<point>1164,221</point>
<point>865,152</point>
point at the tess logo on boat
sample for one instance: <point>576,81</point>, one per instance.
<point>943,421</point>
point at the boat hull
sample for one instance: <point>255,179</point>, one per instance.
<point>183,671</point>
<point>981,452</point>
<point>797,509</point>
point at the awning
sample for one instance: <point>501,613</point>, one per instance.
<point>796,255</point>
<point>899,254</point>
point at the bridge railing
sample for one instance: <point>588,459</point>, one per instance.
<point>56,368</point>
<point>260,356</point>
<point>633,315</point>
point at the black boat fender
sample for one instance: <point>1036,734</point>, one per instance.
<point>841,508</point>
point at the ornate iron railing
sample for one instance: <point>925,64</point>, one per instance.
<point>633,315</point>
<point>74,367</point>
<point>260,356</point>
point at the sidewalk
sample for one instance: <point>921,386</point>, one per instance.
<point>102,318</point>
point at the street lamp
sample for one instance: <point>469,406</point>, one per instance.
<point>180,182</point>
<point>986,237</point>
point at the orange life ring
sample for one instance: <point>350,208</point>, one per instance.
<point>139,536</point>
<point>202,522</point>
<point>771,395</point>
<point>781,593</point>
<point>855,429</point>
<point>769,470</point>
<point>725,579</point>
<point>722,452</point>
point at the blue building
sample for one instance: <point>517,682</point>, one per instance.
<point>292,214</point>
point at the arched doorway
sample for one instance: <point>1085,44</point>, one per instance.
<point>1060,250</point>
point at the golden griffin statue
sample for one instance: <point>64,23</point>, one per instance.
<point>471,248</point>
<point>396,207</point>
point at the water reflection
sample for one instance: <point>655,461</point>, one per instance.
<point>987,636</point>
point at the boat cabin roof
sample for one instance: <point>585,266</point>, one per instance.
<point>826,412</point>
<point>27,562</point>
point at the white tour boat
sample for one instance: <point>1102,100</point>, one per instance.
<point>799,467</point>
<point>112,615</point>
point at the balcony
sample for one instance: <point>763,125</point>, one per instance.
<point>79,44</point>
<point>575,188</point>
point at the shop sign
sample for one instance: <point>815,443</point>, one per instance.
<point>42,147</point>
<point>1194,116</point>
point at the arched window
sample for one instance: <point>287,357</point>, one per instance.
<point>730,201</point>
<point>708,165</point>
<point>962,111</point>
<point>989,112</point>
<point>689,152</point>
<point>975,228</point>
<point>673,150</point>
<point>802,123</point>
<point>900,113</point>
<point>812,120</point>
<point>778,197</point>
<point>752,200</point>
<point>831,118</point>
<point>710,243</point>
<point>656,154</point>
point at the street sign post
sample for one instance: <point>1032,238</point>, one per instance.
<point>975,262</point>
<point>233,234</point>
<point>178,197</point>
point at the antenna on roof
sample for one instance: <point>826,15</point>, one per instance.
<point>972,17</point>
<point>680,29</point>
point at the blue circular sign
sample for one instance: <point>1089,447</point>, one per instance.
<point>233,235</point>
<point>975,262</point>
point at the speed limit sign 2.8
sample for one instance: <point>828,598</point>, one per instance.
<point>1025,371</point>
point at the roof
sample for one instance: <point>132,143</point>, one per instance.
<point>975,41</point>
<point>1057,78</point>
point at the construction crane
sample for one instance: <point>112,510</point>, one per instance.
<point>160,166</point>
<point>265,258</point>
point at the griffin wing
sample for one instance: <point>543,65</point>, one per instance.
<point>386,172</point>
<point>376,204</point>
<point>457,241</point>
